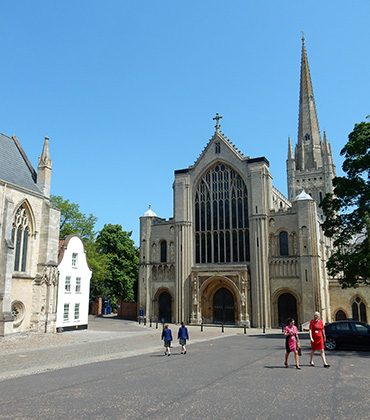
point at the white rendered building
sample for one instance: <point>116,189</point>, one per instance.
<point>74,285</point>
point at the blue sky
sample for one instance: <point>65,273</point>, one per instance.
<point>126,90</point>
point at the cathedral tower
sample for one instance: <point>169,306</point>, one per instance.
<point>312,165</point>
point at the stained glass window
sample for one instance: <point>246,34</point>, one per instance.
<point>221,217</point>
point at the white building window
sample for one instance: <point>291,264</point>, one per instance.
<point>74,259</point>
<point>67,285</point>
<point>66,312</point>
<point>77,311</point>
<point>78,284</point>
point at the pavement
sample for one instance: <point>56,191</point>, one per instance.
<point>58,377</point>
<point>240,377</point>
<point>107,338</point>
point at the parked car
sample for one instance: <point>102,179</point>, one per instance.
<point>354,334</point>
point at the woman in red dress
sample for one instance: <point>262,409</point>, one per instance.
<point>317,337</point>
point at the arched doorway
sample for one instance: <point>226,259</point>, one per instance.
<point>223,307</point>
<point>164,307</point>
<point>287,308</point>
<point>340,316</point>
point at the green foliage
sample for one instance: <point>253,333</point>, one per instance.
<point>347,212</point>
<point>72,221</point>
<point>122,261</point>
<point>99,266</point>
<point>111,255</point>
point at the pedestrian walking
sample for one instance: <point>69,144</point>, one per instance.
<point>167,338</point>
<point>291,342</point>
<point>182,336</point>
<point>317,337</point>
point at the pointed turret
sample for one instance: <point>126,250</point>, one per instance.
<point>291,169</point>
<point>290,149</point>
<point>44,169</point>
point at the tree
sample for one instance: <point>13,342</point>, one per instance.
<point>122,262</point>
<point>72,221</point>
<point>347,212</point>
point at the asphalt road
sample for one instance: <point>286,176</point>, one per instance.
<point>236,377</point>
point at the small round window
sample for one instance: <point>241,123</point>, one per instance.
<point>18,312</point>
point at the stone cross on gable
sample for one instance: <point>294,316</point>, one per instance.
<point>217,118</point>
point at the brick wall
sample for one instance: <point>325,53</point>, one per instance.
<point>126,310</point>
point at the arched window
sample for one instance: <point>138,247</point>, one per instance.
<point>283,242</point>
<point>20,235</point>
<point>359,310</point>
<point>163,251</point>
<point>221,217</point>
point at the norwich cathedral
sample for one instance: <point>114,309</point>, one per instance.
<point>237,251</point>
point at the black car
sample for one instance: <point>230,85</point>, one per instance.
<point>354,334</point>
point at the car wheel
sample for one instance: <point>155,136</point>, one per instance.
<point>330,344</point>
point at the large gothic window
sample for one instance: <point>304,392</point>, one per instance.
<point>20,235</point>
<point>221,217</point>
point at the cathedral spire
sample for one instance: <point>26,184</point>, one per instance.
<point>309,138</point>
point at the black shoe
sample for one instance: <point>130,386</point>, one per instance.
<point>326,366</point>
<point>298,367</point>
<point>185,352</point>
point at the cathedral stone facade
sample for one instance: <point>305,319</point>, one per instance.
<point>29,238</point>
<point>237,251</point>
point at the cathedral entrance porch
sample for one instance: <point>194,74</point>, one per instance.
<point>220,302</point>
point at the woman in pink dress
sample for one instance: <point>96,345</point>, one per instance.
<point>291,341</point>
<point>317,337</point>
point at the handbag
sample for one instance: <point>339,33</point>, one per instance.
<point>298,346</point>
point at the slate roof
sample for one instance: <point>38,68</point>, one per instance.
<point>15,167</point>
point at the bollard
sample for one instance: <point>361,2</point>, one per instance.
<point>245,329</point>
<point>156,324</point>
<point>201,327</point>
<point>222,330</point>
<point>144,320</point>
<point>150,323</point>
<point>282,327</point>
<point>300,328</point>
<point>264,328</point>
